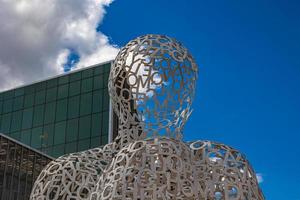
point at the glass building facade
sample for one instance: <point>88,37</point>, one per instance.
<point>20,165</point>
<point>60,115</point>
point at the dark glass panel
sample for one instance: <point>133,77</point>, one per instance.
<point>97,101</point>
<point>105,125</point>
<point>36,137</point>
<point>87,73</point>
<point>72,130</point>
<point>52,83</point>
<point>61,110</point>
<point>98,82</point>
<point>75,76</point>
<point>87,85</point>
<point>29,89</point>
<point>74,88</point>
<point>16,135</point>
<point>1,103</point>
<point>40,97</point>
<point>40,86</point>
<point>60,132</point>
<point>86,104</point>
<point>58,150</point>
<point>83,145</point>
<point>29,100</point>
<point>5,123</point>
<point>71,147</point>
<point>38,116</point>
<point>98,70</point>
<point>104,140</point>
<point>27,118</point>
<point>18,103</point>
<point>96,124</point>
<point>51,94</point>
<point>26,136</point>
<point>95,142</point>
<point>62,91</point>
<point>19,92</point>
<point>63,80</point>
<point>16,121</point>
<point>107,67</point>
<point>105,99</point>
<point>50,112</point>
<point>73,107</point>
<point>84,127</point>
<point>8,94</point>
<point>48,135</point>
<point>7,105</point>
<point>105,79</point>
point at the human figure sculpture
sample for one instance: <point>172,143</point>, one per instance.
<point>152,85</point>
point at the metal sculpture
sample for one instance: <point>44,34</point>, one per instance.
<point>151,85</point>
<point>72,176</point>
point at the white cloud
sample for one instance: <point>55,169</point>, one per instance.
<point>259,177</point>
<point>35,37</point>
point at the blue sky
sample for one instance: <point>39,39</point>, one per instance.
<point>248,89</point>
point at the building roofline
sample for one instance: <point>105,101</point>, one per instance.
<point>57,76</point>
<point>26,146</point>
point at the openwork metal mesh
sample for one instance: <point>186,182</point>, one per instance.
<point>152,84</point>
<point>72,176</point>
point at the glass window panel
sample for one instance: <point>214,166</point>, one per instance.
<point>5,123</point>
<point>26,136</point>
<point>75,76</point>
<point>87,85</point>
<point>1,103</point>
<point>29,100</point>
<point>16,121</point>
<point>29,89</point>
<point>40,86</point>
<point>105,99</point>
<point>40,97</point>
<point>51,94</point>
<point>52,83</point>
<point>84,127</point>
<point>38,116</point>
<point>83,145</point>
<point>61,110</point>
<point>95,142</point>
<point>36,137</point>
<point>16,135</point>
<point>97,101</point>
<point>62,91</point>
<point>50,112</point>
<point>58,150</point>
<point>60,132</point>
<point>27,118</point>
<point>48,135</point>
<point>98,70</point>
<point>72,130</point>
<point>86,104</point>
<point>96,124</point>
<point>87,73</point>
<point>105,124</point>
<point>98,82</point>
<point>73,107</point>
<point>104,140</point>
<point>1,96</point>
<point>71,147</point>
<point>8,94</point>
<point>107,67</point>
<point>74,88</point>
<point>18,103</point>
<point>63,80</point>
<point>19,92</point>
<point>7,105</point>
<point>105,80</point>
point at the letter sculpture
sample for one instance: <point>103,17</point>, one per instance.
<point>151,86</point>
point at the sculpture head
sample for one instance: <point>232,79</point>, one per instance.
<point>152,85</point>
